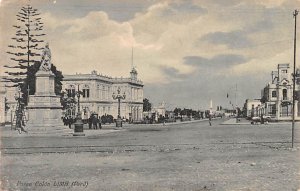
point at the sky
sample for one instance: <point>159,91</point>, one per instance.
<point>186,52</point>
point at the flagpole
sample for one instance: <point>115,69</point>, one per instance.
<point>294,77</point>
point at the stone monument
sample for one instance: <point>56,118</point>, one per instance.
<point>44,107</point>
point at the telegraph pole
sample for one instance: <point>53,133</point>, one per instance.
<point>236,110</point>
<point>294,77</point>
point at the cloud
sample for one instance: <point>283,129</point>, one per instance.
<point>233,39</point>
<point>185,7</point>
<point>216,61</point>
<point>173,74</point>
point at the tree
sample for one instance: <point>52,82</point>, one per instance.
<point>183,112</point>
<point>31,79</point>
<point>146,105</point>
<point>177,111</point>
<point>25,50</point>
<point>66,101</point>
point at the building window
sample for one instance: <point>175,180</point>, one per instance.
<point>103,92</point>
<point>284,94</point>
<point>273,109</point>
<point>274,94</point>
<point>86,91</point>
<point>98,91</point>
<point>71,91</point>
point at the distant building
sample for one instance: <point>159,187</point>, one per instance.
<point>251,107</point>
<point>160,110</point>
<point>98,93</point>
<point>156,112</point>
<point>277,96</point>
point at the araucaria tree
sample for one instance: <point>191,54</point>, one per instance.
<point>25,49</point>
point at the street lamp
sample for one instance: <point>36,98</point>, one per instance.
<point>78,130</point>
<point>119,97</point>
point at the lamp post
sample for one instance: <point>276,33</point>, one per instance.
<point>119,97</point>
<point>78,130</point>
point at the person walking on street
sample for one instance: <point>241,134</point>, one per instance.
<point>99,122</point>
<point>209,119</point>
<point>69,121</point>
<point>90,122</point>
<point>95,121</point>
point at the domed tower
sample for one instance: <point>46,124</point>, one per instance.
<point>133,74</point>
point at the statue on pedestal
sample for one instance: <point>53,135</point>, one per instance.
<point>46,59</point>
<point>44,107</point>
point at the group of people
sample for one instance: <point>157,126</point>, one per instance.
<point>94,122</point>
<point>68,121</point>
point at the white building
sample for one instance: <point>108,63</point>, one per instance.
<point>251,107</point>
<point>277,96</point>
<point>98,93</point>
<point>97,96</point>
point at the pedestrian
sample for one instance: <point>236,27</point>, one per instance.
<point>66,120</point>
<point>99,122</point>
<point>90,122</point>
<point>69,121</point>
<point>209,119</point>
<point>95,121</point>
<point>262,119</point>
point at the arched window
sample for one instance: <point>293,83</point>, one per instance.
<point>86,91</point>
<point>274,94</point>
<point>71,91</point>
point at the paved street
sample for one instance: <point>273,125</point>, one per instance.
<point>193,156</point>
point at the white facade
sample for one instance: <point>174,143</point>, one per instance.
<point>251,107</point>
<point>98,93</point>
<point>277,96</point>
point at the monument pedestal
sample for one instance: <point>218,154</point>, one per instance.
<point>118,122</point>
<point>44,108</point>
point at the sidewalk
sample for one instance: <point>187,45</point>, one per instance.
<point>4,132</point>
<point>171,123</point>
<point>232,121</point>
